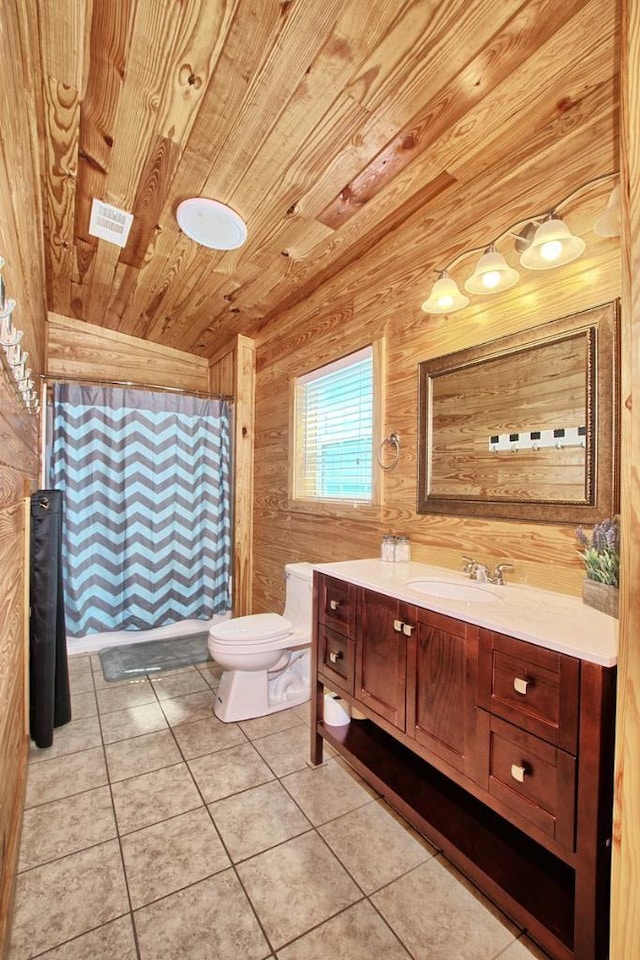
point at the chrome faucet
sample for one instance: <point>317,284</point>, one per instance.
<point>480,573</point>
<point>474,570</point>
<point>498,576</point>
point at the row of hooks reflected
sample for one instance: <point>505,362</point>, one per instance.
<point>10,339</point>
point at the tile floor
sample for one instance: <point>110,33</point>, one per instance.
<point>154,832</point>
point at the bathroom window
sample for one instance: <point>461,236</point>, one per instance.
<point>336,418</point>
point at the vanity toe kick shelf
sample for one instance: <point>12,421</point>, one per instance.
<point>535,888</point>
<point>499,751</point>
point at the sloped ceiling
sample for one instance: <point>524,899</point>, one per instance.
<point>326,125</point>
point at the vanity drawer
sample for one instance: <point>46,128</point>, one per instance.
<point>534,688</point>
<point>533,779</point>
<point>336,605</point>
<point>335,658</point>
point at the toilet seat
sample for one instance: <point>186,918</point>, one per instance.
<point>251,631</point>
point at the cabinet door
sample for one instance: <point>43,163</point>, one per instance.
<point>381,656</point>
<point>442,661</point>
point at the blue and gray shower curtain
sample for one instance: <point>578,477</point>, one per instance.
<point>146,483</point>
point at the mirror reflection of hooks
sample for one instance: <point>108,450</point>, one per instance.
<point>392,440</point>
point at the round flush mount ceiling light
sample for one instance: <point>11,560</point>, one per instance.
<point>211,223</point>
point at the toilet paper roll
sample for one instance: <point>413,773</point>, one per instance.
<point>335,711</point>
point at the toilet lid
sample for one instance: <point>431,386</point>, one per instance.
<point>257,628</point>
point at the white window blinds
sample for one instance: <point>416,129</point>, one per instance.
<point>334,430</point>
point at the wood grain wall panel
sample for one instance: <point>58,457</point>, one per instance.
<point>222,372</point>
<point>625,916</point>
<point>18,431</point>
<point>60,150</point>
<point>77,349</point>
<point>311,128</point>
<point>233,373</point>
<point>63,31</point>
<point>485,208</point>
<point>12,702</point>
<point>167,70</point>
<point>544,555</point>
<point>504,46</point>
<point>244,424</point>
<point>482,137</point>
<point>105,56</point>
<point>21,246</point>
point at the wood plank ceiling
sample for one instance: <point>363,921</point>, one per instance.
<point>326,125</point>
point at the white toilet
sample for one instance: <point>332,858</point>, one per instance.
<point>266,656</point>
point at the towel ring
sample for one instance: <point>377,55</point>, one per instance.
<point>392,440</point>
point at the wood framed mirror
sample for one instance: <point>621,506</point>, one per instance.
<point>525,427</point>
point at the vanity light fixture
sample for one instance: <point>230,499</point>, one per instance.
<point>492,273</point>
<point>544,241</point>
<point>445,296</point>
<point>553,245</point>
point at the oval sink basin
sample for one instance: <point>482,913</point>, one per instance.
<point>454,590</point>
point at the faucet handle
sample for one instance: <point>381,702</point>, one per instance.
<point>498,576</point>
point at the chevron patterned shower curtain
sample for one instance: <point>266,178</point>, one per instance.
<point>146,483</point>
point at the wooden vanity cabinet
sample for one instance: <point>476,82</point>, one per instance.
<point>499,751</point>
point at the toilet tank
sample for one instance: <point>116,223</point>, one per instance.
<point>299,595</point>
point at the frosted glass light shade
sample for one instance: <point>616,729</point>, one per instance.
<point>211,223</point>
<point>609,223</point>
<point>553,245</point>
<point>492,274</point>
<point>445,296</point>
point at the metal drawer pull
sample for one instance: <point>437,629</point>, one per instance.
<point>398,625</point>
<point>518,773</point>
<point>407,629</point>
<point>520,685</point>
<point>334,656</point>
<point>334,604</point>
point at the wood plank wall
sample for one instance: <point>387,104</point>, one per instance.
<point>21,247</point>
<point>625,910</point>
<point>84,350</point>
<point>233,372</point>
<point>381,294</point>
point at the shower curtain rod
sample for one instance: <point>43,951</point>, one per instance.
<point>137,386</point>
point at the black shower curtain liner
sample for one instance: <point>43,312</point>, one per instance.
<point>50,702</point>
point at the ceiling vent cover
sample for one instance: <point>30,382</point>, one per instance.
<point>109,223</point>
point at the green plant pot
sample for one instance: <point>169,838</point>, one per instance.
<point>601,596</point>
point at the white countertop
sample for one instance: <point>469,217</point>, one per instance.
<point>552,620</point>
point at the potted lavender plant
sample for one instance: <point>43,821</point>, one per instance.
<point>601,556</point>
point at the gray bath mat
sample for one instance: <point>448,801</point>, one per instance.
<point>153,656</point>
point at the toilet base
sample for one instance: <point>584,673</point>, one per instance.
<point>245,694</point>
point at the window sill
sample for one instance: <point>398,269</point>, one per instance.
<point>338,509</point>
